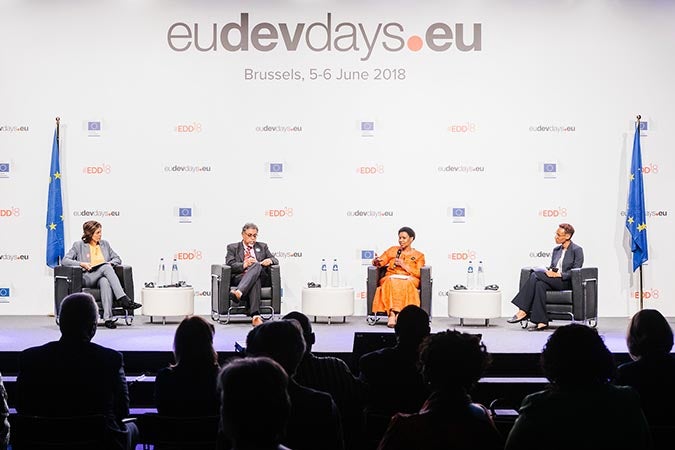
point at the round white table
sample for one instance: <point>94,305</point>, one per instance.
<point>329,302</point>
<point>171,301</point>
<point>474,304</point>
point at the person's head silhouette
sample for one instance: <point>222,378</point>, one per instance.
<point>193,343</point>
<point>649,334</point>
<point>412,326</point>
<point>254,402</point>
<point>306,326</point>
<point>451,360</point>
<point>78,316</point>
<point>575,355</point>
<point>280,340</point>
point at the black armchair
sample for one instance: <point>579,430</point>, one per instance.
<point>373,281</point>
<point>579,304</point>
<point>222,308</point>
<point>68,280</point>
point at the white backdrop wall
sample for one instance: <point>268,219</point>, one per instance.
<point>521,85</point>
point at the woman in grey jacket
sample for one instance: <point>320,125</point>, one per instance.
<point>97,258</point>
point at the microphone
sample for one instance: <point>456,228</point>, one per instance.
<point>398,255</point>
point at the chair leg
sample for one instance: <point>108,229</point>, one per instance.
<point>271,312</point>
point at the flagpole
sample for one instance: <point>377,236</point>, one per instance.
<point>641,289</point>
<point>58,142</point>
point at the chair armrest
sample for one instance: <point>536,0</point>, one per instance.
<point>220,287</point>
<point>66,281</point>
<point>275,275</point>
<point>585,291</point>
<point>372,280</point>
<point>426,286</point>
<point>126,277</point>
<point>524,275</point>
<point>71,275</point>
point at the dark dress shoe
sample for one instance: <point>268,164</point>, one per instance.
<point>128,304</point>
<point>545,327</point>
<point>515,319</point>
<point>110,324</point>
<point>233,297</point>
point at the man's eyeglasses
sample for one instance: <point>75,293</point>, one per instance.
<point>251,235</point>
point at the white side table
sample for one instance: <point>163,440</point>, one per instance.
<point>474,304</point>
<point>329,302</point>
<point>172,301</point>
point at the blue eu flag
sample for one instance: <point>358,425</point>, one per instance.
<point>55,245</point>
<point>636,217</point>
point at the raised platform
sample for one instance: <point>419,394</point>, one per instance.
<point>20,332</point>
<point>148,344</point>
<point>147,347</point>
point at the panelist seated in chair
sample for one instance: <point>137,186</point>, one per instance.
<point>531,299</point>
<point>97,258</point>
<point>250,261</point>
<point>398,287</point>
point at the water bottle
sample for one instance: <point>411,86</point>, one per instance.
<point>323,279</point>
<point>480,276</point>
<point>335,275</point>
<point>174,273</point>
<point>161,273</point>
<point>470,277</point>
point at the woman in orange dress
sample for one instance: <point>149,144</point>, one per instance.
<point>398,287</point>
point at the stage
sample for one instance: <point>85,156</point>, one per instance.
<point>20,332</point>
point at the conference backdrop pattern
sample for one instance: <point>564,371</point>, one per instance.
<point>482,125</point>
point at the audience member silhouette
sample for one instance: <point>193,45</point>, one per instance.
<point>331,375</point>
<point>451,363</point>
<point>189,387</point>
<point>392,379</point>
<point>314,421</point>
<point>652,373</point>
<point>75,377</point>
<point>4,414</point>
<point>581,407</point>
<point>255,403</point>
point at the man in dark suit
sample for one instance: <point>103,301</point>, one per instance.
<point>314,421</point>
<point>75,377</point>
<point>250,261</point>
<point>531,300</point>
<point>393,381</point>
<point>332,375</point>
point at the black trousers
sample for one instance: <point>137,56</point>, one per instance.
<point>532,296</point>
<point>250,283</point>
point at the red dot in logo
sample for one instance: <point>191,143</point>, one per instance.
<point>415,43</point>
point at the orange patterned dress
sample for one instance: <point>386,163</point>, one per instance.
<point>394,292</point>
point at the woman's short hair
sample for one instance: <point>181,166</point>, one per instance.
<point>451,359</point>
<point>254,388</point>
<point>408,230</point>
<point>193,343</point>
<point>569,229</point>
<point>649,334</point>
<point>88,230</point>
<point>576,355</point>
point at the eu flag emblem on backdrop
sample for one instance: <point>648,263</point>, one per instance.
<point>55,245</point>
<point>636,217</point>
